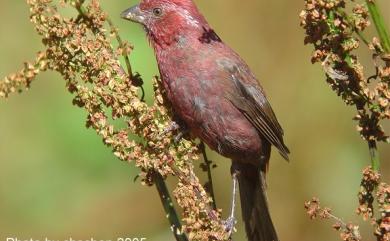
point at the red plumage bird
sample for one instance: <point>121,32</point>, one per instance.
<point>213,91</point>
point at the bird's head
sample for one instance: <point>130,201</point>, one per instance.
<point>165,20</point>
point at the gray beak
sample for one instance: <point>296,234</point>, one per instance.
<point>134,14</point>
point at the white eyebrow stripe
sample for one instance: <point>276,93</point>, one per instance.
<point>185,14</point>
<point>190,20</point>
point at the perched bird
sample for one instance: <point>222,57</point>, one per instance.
<point>213,91</point>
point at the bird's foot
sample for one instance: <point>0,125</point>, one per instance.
<point>229,225</point>
<point>172,127</point>
<point>178,137</point>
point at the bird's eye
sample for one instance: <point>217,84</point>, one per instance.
<point>157,12</point>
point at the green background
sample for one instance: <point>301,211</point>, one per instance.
<point>57,180</point>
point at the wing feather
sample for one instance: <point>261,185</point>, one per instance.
<point>252,102</point>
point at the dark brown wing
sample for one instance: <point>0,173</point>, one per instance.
<point>256,108</point>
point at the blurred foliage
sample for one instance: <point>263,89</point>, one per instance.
<point>57,179</point>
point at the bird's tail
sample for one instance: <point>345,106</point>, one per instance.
<point>255,213</point>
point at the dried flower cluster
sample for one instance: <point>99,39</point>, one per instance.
<point>383,224</point>
<point>18,81</point>
<point>368,185</point>
<point>371,187</point>
<point>335,35</point>
<point>349,232</point>
<point>81,50</point>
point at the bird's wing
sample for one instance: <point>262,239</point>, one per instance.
<point>249,98</point>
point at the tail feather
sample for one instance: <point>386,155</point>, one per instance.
<point>255,213</point>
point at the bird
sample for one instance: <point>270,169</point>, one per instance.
<point>218,98</point>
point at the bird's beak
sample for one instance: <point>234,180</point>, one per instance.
<point>133,14</point>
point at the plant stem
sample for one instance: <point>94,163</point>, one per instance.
<point>359,33</point>
<point>169,208</point>
<point>209,176</point>
<point>383,34</point>
<point>380,25</point>
<point>375,161</point>
<point>120,42</point>
<point>133,77</point>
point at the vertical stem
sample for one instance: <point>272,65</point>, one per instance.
<point>169,208</point>
<point>209,176</point>
<point>380,25</point>
<point>383,34</point>
<point>134,78</point>
<point>120,42</point>
<point>375,162</point>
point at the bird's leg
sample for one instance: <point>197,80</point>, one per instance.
<point>231,221</point>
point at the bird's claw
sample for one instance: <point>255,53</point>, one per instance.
<point>178,137</point>
<point>229,225</point>
<point>173,126</point>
